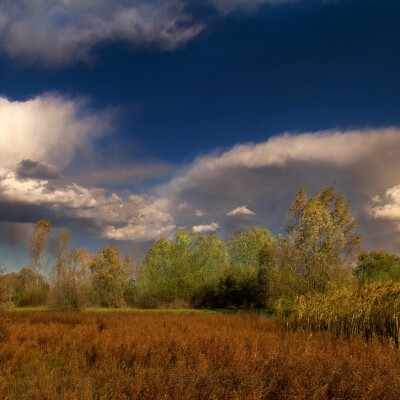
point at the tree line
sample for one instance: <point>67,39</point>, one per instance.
<point>319,251</point>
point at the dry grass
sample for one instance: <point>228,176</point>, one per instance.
<point>188,356</point>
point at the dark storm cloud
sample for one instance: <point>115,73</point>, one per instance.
<point>37,170</point>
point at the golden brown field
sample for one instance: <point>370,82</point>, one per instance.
<point>83,356</point>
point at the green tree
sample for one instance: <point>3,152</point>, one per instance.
<point>178,271</point>
<point>250,247</point>
<point>377,265</point>
<point>154,280</point>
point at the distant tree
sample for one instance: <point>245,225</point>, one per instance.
<point>38,243</point>
<point>377,265</point>
<point>29,289</point>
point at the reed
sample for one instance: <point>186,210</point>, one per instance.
<point>372,311</point>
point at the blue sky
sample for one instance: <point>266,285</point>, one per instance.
<point>126,121</point>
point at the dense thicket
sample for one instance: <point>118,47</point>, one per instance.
<point>317,253</point>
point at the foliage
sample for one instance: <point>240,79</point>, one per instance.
<point>179,270</point>
<point>109,279</point>
<point>64,293</point>
<point>28,288</point>
<point>250,247</point>
<point>323,240</point>
<point>377,265</point>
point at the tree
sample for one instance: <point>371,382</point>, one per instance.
<point>29,288</point>
<point>250,247</point>
<point>179,270</point>
<point>323,238</point>
<point>377,265</point>
<point>64,292</point>
<point>108,278</point>
<point>63,255</point>
<point>38,243</point>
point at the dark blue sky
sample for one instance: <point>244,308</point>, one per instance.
<point>305,66</point>
<point>171,90</point>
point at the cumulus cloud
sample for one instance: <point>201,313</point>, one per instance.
<point>213,226</point>
<point>243,210</point>
<point>137,218</point>
<point>391,210</point>
<point>48,128</point>
<point>65,31</point>
<point>37,170</point>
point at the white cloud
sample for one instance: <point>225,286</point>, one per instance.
<point>243,210</point>
<point>390,211</point>
<point>199,213</point>
<point>213,226</point>
<point>47,128</point>
<point>334,148</point>
<point>37,192</point>
<point>137,233</point>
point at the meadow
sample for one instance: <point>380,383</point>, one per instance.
<point>164,355</point>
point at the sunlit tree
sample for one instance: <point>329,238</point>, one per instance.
<point>323,238</point>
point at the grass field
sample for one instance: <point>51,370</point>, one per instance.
<point>131,355</point>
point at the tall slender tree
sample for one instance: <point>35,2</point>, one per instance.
<point>38,245</point>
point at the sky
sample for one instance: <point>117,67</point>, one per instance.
<point>125,121</point>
